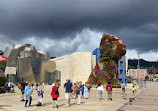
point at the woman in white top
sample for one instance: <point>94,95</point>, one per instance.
<point>100,89</point>
<point>85,91</point>
<point>40,94</point>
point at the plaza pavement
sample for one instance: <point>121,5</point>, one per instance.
<point>145,101</point>
<point>11,101</point>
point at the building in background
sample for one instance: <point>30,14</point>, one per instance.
<point>122,70</point>
<point>137,73</point>
<point>97,53</point>
<point>25,62</point>
<point>77,66</point>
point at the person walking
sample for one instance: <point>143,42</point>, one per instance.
<point>78,96</point>
<point>135,86</point>
<point>68,86</point>
<point>55,94</point>
<point>74,91</point>
<point>82,90</point>
<point>133,90</point>
<point>85,91</point>
<point>7,87</point>
<point>43,84</point>
<point>32,85</point>
<point>28,94</point>
<point>23,84</point>
<point>123,88</point>
<point>101,90</point>
<point>109,91</point>
<point>40,93</point>
<point>89,87</point>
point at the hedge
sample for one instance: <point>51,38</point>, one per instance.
<point>3,80</point>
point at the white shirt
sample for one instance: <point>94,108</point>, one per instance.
<point>85,87</point>
<point>123,85</point>
<point>39,88</point>
<point>100,88</point>
<point>9,84</point>
<point>53,84</point>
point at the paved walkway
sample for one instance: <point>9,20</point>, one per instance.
<point>145,101</point>
<point>11,101</point>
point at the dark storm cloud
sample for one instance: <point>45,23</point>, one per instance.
<point>135,21</point>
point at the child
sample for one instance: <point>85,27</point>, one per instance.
<point>82,90</point>
<point>133,90</point>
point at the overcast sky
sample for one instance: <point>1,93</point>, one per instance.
<point>66,26</point>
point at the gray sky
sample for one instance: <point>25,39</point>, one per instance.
<point>64,27</point>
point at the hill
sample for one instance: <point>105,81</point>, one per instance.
<point>151,66</point>
<point>143,63</point>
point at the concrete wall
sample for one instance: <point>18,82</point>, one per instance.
<point>10,70</point>
<point>63,64</point>
<point>76,66</point>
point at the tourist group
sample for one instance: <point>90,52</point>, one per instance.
<point>76,90</point>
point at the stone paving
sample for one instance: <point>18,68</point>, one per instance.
<point>145,101</point>
<point>11,101</point>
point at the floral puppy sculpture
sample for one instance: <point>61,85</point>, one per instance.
<point>106,70</point>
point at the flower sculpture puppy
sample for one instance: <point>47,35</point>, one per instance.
<point>106,69</point>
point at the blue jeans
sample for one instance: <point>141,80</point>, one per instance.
<point>8,89</point>
<point>85,93</point>
<point>100,94</point>
<point>28,97</point>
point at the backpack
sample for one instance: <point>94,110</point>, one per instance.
<point>77,91</point>
<point>56,91</point>
<point>19,86</point>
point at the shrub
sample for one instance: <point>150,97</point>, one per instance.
<point>147,77</point>
<point>3,80</point>
<point>110,74</point>
<point>57,80</point>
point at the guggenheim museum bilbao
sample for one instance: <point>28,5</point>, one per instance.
<point>25,62</point>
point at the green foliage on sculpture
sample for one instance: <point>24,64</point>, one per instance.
<point>106,69</point>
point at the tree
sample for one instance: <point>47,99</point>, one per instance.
<point>147,77</point>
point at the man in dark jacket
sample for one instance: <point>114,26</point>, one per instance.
<point>23,84</point>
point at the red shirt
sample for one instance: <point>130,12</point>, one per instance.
<point>53,92</point>
<point>109,87</point>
